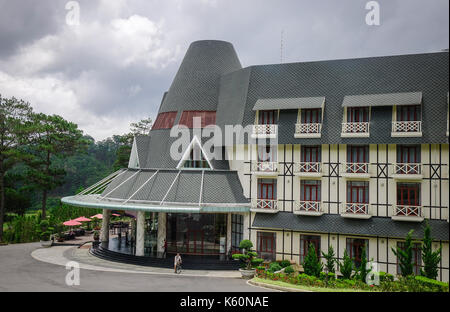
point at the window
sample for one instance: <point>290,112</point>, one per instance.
<point>164,120</point>
<point>207,118</point>
<point>407,154</point>
<point>267,153</point>
<point>408,113</point>
<point>311,153</point>
<point>268,117</point>
<point>237,230</point>
<point>355,247</point>
<point>310,115</point>
<point>408,194</point>
<point>310,190</point>
<point>416,257</point>
<point>305,241</point>
<point>267,189</point>
<point>266,245</point>
<point>196,159</point>
<point>358,192</point>
<point>357,114</point>
<point>357,153</point>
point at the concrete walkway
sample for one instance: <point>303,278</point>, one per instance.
<point>61,255</point>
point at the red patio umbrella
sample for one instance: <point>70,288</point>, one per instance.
<point>98,216</point>
<point>82,219</point>
<point>116,215</point>
<point>71,223</point>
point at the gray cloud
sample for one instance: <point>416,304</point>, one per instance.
<point>114,67</point>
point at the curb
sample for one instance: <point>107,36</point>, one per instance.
<point>276,287</point>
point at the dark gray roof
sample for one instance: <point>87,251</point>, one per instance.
<point>335,79</point>
<point>332,223</point>
<point>386,99</point>
<point>289,103</point>
<point>177,186</point>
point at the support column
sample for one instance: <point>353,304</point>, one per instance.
<point>104,235</point>
<point>228,232</point>
<point>140,233</point>
<point>133,231</point>
<point>162,217</point>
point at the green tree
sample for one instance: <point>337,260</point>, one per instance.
<point>430,258</point>
<point>142,127</point>
<point>330,259</point>
<point>405,256</point>
<point>14,122</point>
<point>363,269</point>
<point>346,266</point>
<point>312,264</point>
<point>53,138</point>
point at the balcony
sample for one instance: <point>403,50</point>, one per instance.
<point>308,208</point>
<point>407,213</point>
<point>308,130</point>
<point>356,170</point>
<point>265,131</point>
<point>356,211</point>
<point>406,129</point>
<point>265,168</point>
<point>308,169</point>
<point>355,129</point>
<point>407,171</point>
<point>264,205</point>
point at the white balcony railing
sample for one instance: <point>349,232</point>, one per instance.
<point>308,167</point>
<point>264,166</point>
<point>355,127</point>
<point>409,168</point>
<point>270,129</point>
<point>408,211</point>
<point>308,128</point>
<point>265,204</point>
<point>406,126</point>
<point>357,208</point>
<point>356,168</point>
<point>308,206</point>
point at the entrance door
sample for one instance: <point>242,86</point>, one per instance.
<point>195,241</point>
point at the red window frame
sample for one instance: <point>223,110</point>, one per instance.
<point>267,189</point>
<point>354,191</point>
<point>354,248</point>
<point>311,188</point>
<point>267,117</point>
<point>408,112</point>
<point>164,120</point>
<point>207,118</point>
<point>266,244</point>
<point>357,153</point>
<point>311,115</point>
<point>357,114</point>
<point>417,257</point>
<point>305,241</point>
<point>408,194</point>
<point>408,154</point>
<point>311,153</point>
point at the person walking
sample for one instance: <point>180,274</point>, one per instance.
<point>177,262</point>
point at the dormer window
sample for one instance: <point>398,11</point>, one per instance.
<point>356,122</point>
<point>310,125</point>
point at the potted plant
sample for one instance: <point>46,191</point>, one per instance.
<point>96,238</point>
<point>45,234</point>
<point>248,257</point>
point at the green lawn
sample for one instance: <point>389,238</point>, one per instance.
<point>307,288</point>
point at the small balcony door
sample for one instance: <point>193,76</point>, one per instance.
<point>408,194</point>
<point>357,192</point>
<point>310,116</point>
<point>408,113</point>
<point>310,190</point>
<point>408,154</point>
<point>357,154</point>
<point>357,114</point>
<point>268,117</point>
<point>311,154</point>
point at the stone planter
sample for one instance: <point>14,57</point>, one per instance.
<point>247,274</point>
<point>46,244</point>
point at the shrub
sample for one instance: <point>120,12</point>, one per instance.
<point>363,270</point>
<point>346,267</point>
<point>289,270</point>
<point>45,236</point>
<point>312,264</point>
<point>274,266</point>
<point>434,285</point>
<point>405,256</point>
<point>386,277</point>
<point>430,258</point>
<point>285,263</point>
<point>246,244</point>
<point>330,260</point>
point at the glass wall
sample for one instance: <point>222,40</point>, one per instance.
<point>199,234</point>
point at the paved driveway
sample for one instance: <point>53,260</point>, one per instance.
<point>21,272</point>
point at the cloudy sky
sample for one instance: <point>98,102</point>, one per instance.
<point>114,66</point>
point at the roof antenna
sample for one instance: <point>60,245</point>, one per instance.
<point>281,46</point>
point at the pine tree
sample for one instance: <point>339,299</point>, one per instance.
<point>363,269</point>
<point>430,258</point>
<point>405,256</point>
<point>330,260</point>
<point>346,266</point>
<point>312,264</point>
